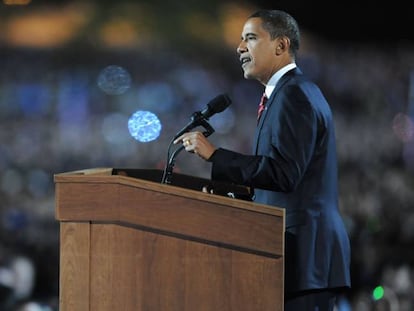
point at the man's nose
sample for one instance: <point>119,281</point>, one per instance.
<point>241,48</point>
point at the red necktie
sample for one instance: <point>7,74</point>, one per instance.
<point>262,105</point>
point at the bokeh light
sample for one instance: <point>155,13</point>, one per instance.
<point>114,80</point>
<point>39,26</point>
<point>38,183</point>
<point>403,127</point>
<point>11,182</point>
<point>14,219</point>
<point>113,128</point>
<point>33,99</point>
<point>378,293</point>
<point>223,122</point>
<point>144,126</point>
<point>156,96</point>
<point>16,2</point>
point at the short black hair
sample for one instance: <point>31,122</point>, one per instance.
<point>280,23</point>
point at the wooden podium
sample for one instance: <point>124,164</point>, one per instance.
<point>130,243</point>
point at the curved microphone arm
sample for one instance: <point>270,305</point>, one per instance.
<point>168,171</point>
<point>171,157</point>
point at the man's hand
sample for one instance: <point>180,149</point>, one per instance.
<point>197,143</point>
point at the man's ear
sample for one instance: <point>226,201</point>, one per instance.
<point>282,45</point>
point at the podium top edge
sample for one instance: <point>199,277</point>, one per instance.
<point>105,175</point>
<point>105,171</point>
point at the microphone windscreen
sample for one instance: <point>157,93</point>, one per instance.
<point>217,104</point>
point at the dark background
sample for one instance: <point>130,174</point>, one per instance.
<point>360,21</point>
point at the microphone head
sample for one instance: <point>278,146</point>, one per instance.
<point>216,105</point>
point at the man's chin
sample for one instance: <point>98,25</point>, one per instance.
<point>248,75</point>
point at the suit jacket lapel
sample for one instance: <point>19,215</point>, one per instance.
<point>271,101</point>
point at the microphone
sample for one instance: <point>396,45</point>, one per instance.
<point>216,105</point>
<point>199,118</point>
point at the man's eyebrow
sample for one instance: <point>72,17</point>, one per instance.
<point>249,34</point>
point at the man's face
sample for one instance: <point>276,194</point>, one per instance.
<point>257,51</point>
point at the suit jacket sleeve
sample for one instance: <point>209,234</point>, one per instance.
<point>285,142</point>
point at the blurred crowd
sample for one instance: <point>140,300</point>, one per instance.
<point>55,116</point>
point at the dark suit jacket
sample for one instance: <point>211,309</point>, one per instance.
<point>294,166</point>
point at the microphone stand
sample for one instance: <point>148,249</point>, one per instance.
<point>171,157</point>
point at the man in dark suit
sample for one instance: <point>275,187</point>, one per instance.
<point>294,163</point>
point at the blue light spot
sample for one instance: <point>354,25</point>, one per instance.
<point>114,80</point>
<point>157,97</point>
<point>144,126</point>
<point>34,99</point>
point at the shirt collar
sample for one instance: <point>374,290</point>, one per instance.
<point>270,86</point>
